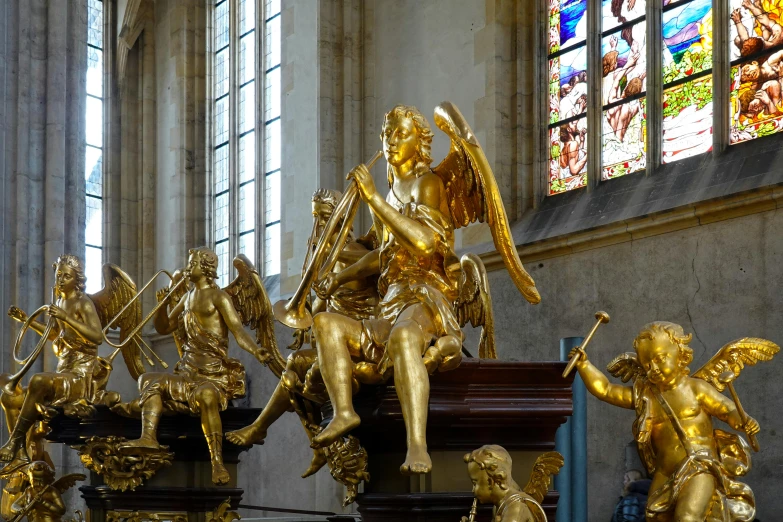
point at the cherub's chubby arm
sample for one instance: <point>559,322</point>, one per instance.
<point>52,501</point>
<point>166,322</point>
<point>245,341</point>
<point>720,406</point>
<point>598,384</point>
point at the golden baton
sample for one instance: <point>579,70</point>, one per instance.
<point>727,378</point>
<point>602,317</point>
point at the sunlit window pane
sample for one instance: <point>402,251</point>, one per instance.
<point>272,55</point>
<point>95,23</point>
<point>221,169</point>
<point>93,233</point>
<point>272,95</point>
<point>247,15</point>
<point>247,246</point>
<point>94,124</point>
<point>247,107</point>
<point>247,157</point>
<point>221,25</point>
<point>93,172</point>
<point>221,73</point>
<point>272,8</point>
<point>272,146</point>
<point>247,207</point>
<point>247,58</point>
<point>92,269</point>
<point>94,72</point>
<point>272,250</point>
<point>272,195</point>
<point>221,217</point>
<point>221,249</point>
<point>221,121</point>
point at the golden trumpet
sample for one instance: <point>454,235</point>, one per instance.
<point>293,313</point>
<point>473,511</point>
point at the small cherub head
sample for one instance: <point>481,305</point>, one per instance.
<point>406,135</point>
<point>39,473</point>
<point>489,468</point>
<point>202,262</point>
<point>663,351</point>
<point>69,274</point>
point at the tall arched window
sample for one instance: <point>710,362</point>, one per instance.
<point>246,144</point>
<point>93,235</point>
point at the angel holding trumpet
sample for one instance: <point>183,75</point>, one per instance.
<point>694,466</point>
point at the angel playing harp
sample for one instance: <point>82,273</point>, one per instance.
<point>42,500</point>
<point>205,378</point>
<point>75,327</point>
<point>694,466</point>
<point>418,326</point>
<point>489,468</point>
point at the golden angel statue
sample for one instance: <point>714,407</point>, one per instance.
<point>417,328</point>
<point>694,466</point>
<point>41,499</point>
<point>489,468</point>
<point>205,378</point>
<point>76,320</point>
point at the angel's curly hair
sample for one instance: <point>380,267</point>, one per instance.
<point>495,461</point>
<point>43,467</point>
<point>208,260</point>
<point>423,130</point>
<point>676,335</point>
<point>75,264</point>
<point>327,197</point>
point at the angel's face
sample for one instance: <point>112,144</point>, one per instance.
<point>400,140</point>
<point>321,213</point>
<point>482,489</point>
<point>65,279</point>
<point>659,357</point>
<point>194,265</point>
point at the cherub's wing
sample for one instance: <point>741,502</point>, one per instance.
<point>473,193</point>
<point>625,367</point>
<point>252,302</point>
<point>734,357</point>
<point>546,465</point>
<point>66,482</point>
<point>474,305</point>
<point>118,290</point>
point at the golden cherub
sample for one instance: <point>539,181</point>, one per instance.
<point>427,294</point>
<point>205,377</point>
<point>693,466</point>
<point>42,499</point>
<point>489,468</point>
<point>75,329</point>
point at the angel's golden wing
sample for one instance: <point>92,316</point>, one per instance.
<point>252,303</point>
<point>473,193</point>
<point>546,465</point>
<point>66,482</point>
<point>625,367</point>
<point>474,305</point>
<point>734,357</point>
<point>118,290</point>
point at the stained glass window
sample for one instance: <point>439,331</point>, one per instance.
<point>93,174</point>
<point>756,52</point>
<point>687,79</point>
<point>623,89</point>
<point>567,95</point>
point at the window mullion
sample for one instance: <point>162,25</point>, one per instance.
<point>594,82</point>
<point>721,70</point>
<point>654,86</point>
<point>233,125</point>
<point>260,192</point>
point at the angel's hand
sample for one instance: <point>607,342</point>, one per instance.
<point>751,426</point>
<point>364,181</point>
<point>57,312</point>
<point>578,352</point>
<point>327,286</point>
<point>161,294</point>
<point>17,314</point>
<point>262,356</point>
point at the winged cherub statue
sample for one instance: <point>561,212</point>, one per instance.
<point>417,327</point>
<point>694,466</point>
<point>489,468</point>
<point>76,320</point>
<point>42,500</point>
<point>205,378</point>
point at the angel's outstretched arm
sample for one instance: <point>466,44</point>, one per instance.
<point>717,404</point>
<point>598,384</point>
<point>245,341</point>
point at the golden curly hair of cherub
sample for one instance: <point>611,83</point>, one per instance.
<point>495,461</point>
<point>208,260</point>
<point>42,467</point>
<point>75,264</point>
<point>676,335</point>
<point>423,130</point>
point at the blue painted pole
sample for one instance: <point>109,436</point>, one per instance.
<point>563,444</point>
<point>579,449</point>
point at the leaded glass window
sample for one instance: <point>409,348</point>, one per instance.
<point>93,174</point>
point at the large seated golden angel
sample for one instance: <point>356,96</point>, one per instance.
<point>694,467</point>
<point>427,294</point>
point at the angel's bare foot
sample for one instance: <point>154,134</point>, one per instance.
<point>8,451</point>
<point>416,461</point>
<point>145,442</point>
<point>338,427</point>
<point>247,436</point>
<point>220,475</point>
<point>318,462</point>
